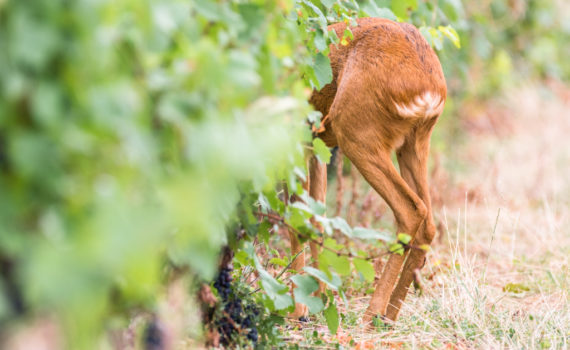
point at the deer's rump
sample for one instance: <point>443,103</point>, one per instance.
<point>388,65</point>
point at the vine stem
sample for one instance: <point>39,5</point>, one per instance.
<point>280,273</point>
<point>275,218</point>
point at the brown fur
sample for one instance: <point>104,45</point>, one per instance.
<point>386,64</point>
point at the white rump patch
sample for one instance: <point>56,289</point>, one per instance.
<point>422,106</point>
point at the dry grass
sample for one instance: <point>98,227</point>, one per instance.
<point>499,278</point>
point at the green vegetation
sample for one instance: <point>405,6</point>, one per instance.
<point>137,138</point>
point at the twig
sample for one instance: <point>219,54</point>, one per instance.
<point>282,271</point>
<point>280,220</point>
<point>491,244</point>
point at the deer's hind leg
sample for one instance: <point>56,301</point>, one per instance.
<point>409,210</point>
<point>413,158</point>
<point>374,163</point>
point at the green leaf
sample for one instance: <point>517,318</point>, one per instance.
<point>331,315</point>
<point>320,41</point>
<point>315,117</point>
<point>328,3</point>
<point>516,288</point>
<point>386,13</point>
<point>298,213</point>
<point>279,262</point>
<point>305,210</point>
<point>333,244</point>
<point>263,203</point>
<point>426,34</point>
<point>208,9</point>
<point>401,7</point>
<point>437,38</point>
<point>373,10</point>
<point>315,207</point>
<point>404,238</point>
<point>340,264</point>
<point>333,37</point>
<point>397,248</point>
<point>321,150</point>
<point>368,233</point>
<point>340,224</point>
<point>425,247</point>
<point>300,173</point>
<point>320,16</point>
<point>348,34</point>
<point>325,224</point>
<point>453,9</point>
<point>306,286</point>
<point>451,34</point>
<point>263,231</point>
<point>366,268</point>
<point>242,257</point>
<point>333,282</point>
<point>323,70</point>
<point>275,290</point>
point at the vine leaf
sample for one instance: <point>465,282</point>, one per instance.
<point>340,264</point>
<point>275,290</point>
<point>323,70</point>
<point>451,34</point>
<point>367,233</point>
<point>365,268</point>
<point>331,315</point>
<point>306,285</point>
<point>321,150</point>
<point>404,238</point>
<point>333,282</point>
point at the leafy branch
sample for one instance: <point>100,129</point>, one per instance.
<point>402,242</point>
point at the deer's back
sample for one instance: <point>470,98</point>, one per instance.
<point>389,62</point>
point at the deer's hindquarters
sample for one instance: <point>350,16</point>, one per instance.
<point>389,77</point>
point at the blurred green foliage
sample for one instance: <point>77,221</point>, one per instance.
<point>137,135</point>
<point>128,129</point>
<point>505,43</point>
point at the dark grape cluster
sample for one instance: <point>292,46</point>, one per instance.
<point>224,283</point>
<point>236,320</point>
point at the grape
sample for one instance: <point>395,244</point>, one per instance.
<point>247,322</point>
<point>252,309</point>
<point>223,283</point>
<point>153,337</point>
<point>234,309</point>
<point>252,335</point>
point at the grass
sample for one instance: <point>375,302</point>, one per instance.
<point>498,277</point>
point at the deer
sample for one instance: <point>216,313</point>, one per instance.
<point>387,93</point>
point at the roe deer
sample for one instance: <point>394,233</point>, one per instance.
<point>387,93</point>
